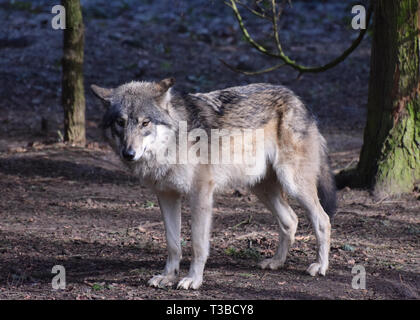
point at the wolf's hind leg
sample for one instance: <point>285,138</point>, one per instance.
<point>170,206</point>
<point>271,196</point>
<point>321,224</point>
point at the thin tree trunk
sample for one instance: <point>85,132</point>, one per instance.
<point>390,157</point>
<point>73,98</point>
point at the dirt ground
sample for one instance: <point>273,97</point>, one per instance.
<point>77,207</point>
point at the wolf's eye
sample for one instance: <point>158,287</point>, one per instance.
<point>120,122</point>
<point>145,122</point>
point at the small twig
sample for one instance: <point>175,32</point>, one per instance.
<point>254,12</point>
<point>251,235</point>
<point>401,280</point>
<point>252,73</point>
<point>247,221</point>
<point>350,163</point>
<point>380,201</point>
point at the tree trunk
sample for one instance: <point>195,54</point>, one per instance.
<point>390,157</point>
<point>73,97</point>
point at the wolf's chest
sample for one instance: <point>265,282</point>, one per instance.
<point>166,177</point>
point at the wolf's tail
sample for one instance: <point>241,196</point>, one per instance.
<point>326,186</point>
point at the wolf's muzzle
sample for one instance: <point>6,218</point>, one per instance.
<point>128,154</point>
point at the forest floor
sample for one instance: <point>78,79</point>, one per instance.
<point>77,207</point>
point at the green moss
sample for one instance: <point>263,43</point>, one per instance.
<point>399,168</point>
<point>390,158</point>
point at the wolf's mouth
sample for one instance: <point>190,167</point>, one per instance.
<point>137,156</point>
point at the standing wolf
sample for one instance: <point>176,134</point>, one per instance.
<point>143,122</point>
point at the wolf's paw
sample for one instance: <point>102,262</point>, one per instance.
<point>316,268</point>
<point>190,283</point>
<point>271,263</point>
<point>162,281</point>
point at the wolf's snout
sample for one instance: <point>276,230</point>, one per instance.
<point>128,154</point>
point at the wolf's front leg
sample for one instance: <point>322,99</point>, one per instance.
<point>170,206</point>
<point>201,211</point>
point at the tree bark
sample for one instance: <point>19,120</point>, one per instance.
<point>390,157</point>
<point>73,97</point>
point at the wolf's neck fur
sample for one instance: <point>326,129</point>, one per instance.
<point>179,108</point>
<point>188,107</point>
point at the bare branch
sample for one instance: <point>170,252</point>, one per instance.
<point>281,55</point>
<point>275,29</point>
<point>245,31</point>
<point>254,12</point>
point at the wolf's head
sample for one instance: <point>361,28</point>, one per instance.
<point>135,114</point>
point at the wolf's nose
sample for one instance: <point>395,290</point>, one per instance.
<point>129,154</point>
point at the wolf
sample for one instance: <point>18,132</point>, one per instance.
<point>143,119</point>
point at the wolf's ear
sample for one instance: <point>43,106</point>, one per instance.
<point>102,93</point>
<point>165,85</point>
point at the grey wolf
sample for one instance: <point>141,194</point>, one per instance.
<point>142,120</point>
